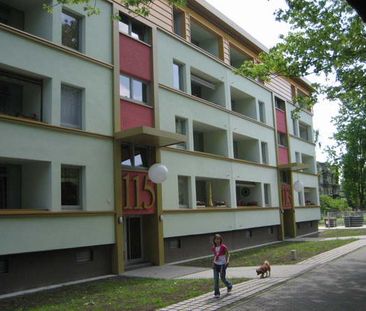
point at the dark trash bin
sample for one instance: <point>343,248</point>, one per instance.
<point>353,221</point>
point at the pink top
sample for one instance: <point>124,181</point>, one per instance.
<point>219,254</point>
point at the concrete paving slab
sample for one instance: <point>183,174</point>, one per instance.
<point>163,272</point>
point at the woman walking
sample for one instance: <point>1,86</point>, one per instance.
<point>220,263</point>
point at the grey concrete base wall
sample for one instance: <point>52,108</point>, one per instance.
<point>32,270</point>
<point>306,227</point>
<point>187,247</point>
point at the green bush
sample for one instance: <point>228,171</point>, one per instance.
<point>328,204</point>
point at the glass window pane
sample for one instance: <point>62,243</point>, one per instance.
<point>70,107</point>
<point>124,86</point>
<point>139,91</point>
<point>126,155</point>
<point>139,31</point>
<point>70,186</point>
<point>142,157</point>
<point>176,76</point>
<point>183,191</point>
<point>123,24</point>
<point>70,31</point>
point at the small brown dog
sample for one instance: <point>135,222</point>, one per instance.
<point>264,270</point>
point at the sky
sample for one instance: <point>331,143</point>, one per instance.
<point>256,17</point>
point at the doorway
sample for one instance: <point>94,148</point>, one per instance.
<point>133,239</point>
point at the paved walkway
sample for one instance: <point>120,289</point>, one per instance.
<point>280,274</point>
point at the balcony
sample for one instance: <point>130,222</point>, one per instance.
<point>24,184</point>
<point>310,163</point>
<point>237,57</point>
<point>28,16</point>
<point>248,193</point>
<point>305,132</point>
<point>246,148</point>
<point>205,39</point>
<point>209,139</point>
<point>243,103</point>
<point>20,96</point>
<point>207,88</point>
<point>212,192</point>
<point>310,195</point>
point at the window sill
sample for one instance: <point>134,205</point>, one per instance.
<point>48,213</point>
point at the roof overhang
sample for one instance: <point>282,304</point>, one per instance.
<point>149,136</point>
<point>294,166</point>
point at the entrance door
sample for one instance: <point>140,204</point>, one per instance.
<point>133,241</point>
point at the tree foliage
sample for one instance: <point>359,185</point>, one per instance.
<point>140,7</point>
<point>329,204</point>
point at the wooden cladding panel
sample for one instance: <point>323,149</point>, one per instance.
<point>281,87</point>
<point>161,14</point>
<point>226,44</point>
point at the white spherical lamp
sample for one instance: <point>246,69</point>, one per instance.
<point>158,173</point>
<point>298,186</point>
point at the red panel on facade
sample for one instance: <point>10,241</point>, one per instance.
<point>135,58</point>
<point>282,155</point>
<point>135,115</point>
<point>138,194</point>
<point>281,121</point>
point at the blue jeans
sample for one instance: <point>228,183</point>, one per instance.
<point>219,271</point>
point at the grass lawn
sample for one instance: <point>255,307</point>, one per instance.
<point>341,232</point>
<point>276,254</point>
<point>113,294</point>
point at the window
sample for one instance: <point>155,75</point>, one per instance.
<point>10,186</point>
<point>174,243</point>
<point>198,141</point>
<point>238,57</point>
<point>178,76</point>
<point>71,107</point>
<point>264,147</point>
<point>304,130</point>
<point>280,104</point>
<point>133,89</point>
<point>301,198</point>
<point>134,28</point>
<point>294,125</point>
<point>262,112</point>
<point>236,149</point>
<point>267,194</point>
<point>137,156</point>
<point>183,191</point>
<point>297,157</point>
<point>282,139</point>
<point>179,22</point>
<point>181,128</point>
<point>71,25</point>
<point>11,17</point>
<point>70,187</point>
<point>4,265</point>
<point>20,96</point>
<point>85,255</point>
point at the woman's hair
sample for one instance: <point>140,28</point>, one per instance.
<point>217,236</point>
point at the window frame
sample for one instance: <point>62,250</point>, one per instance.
<point>80,187</point>
<point>181,75</point>
<point>79,18</point>
<point>262,111</point>
<point>185,127</point>
<point>81,107</point>
<point>131,22</point>
<point>264,152</point>
<point>267,194</point>
<point>186,180</point>
<point>131,90</point>
<point>132,155</point>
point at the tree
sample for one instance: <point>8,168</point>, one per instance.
<point>327,37</point>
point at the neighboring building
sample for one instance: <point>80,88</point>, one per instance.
<point>140,91</point>
<point>328,180</point>
<point>56,144</point>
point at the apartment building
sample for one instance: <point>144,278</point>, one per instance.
<point>243,150</point>
<point>106,100</point>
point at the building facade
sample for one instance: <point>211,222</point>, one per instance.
<point>106,99</point>
<point>328,180</point>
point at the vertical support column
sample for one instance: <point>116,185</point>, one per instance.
<point>118,250</point>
